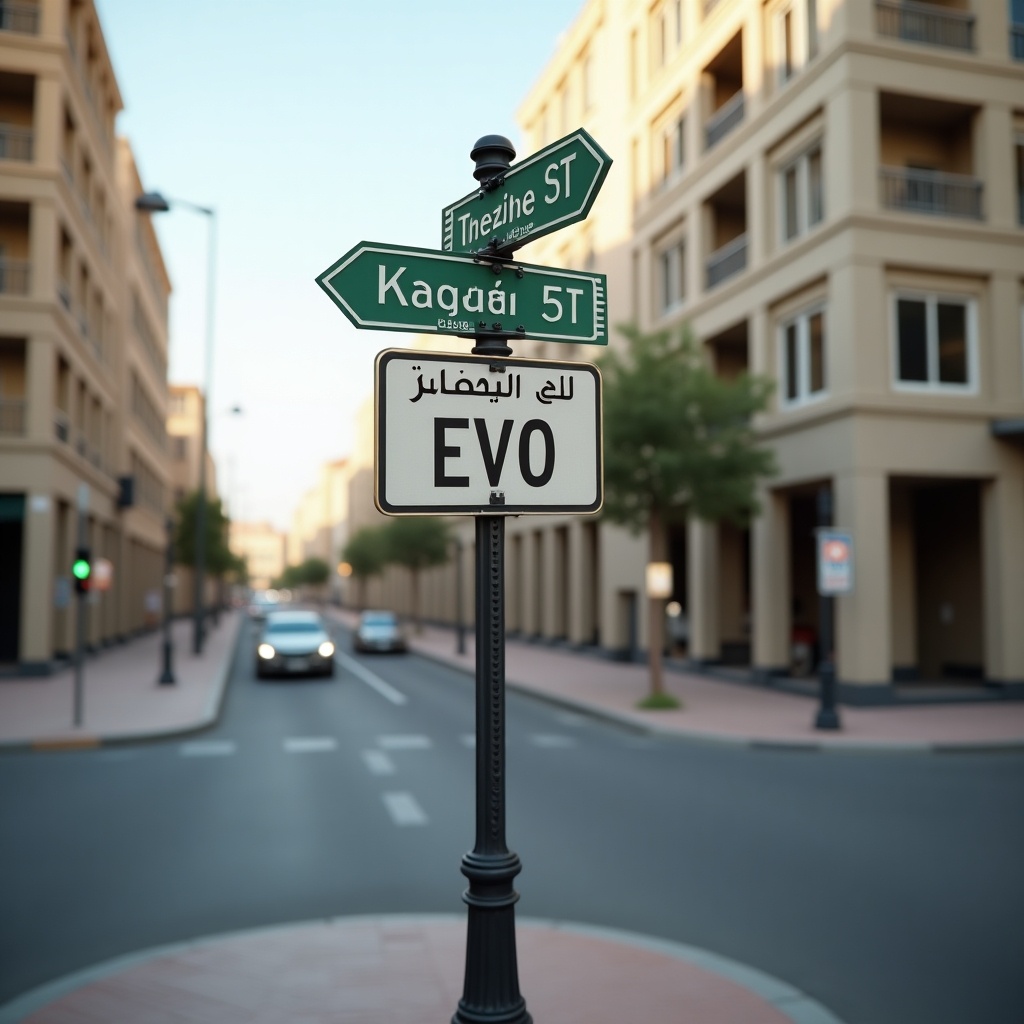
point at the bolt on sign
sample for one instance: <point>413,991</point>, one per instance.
<point>425,291</point>
<point>474,435</point>
<point>551,189</point>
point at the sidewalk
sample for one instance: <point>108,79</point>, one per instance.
<point>388,970</point>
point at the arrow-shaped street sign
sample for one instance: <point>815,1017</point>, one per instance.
<point>402,288</point>
<point>555,187</point>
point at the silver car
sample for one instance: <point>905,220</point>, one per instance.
<point>379,631</point>
<point>294,643</point>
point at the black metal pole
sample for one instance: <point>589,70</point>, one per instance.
<point>167,676</point>
<point>827,717</point>
<point>491,987</point>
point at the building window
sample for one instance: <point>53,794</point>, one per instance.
<point>673,143</point>
<point>1019,154</point>
<point>802,194</point>
<point>672,277</point>
<point>796,37</point>
<point>802,352</point>
<point>935,342</point>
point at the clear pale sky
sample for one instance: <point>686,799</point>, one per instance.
<point>309,126</point>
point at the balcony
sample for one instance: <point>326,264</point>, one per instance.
<point>19,18</point>
<point>730,259</point>
<point>930,24</point>
<point>14,277</point>
<point>931,192</point>
<point>15,143</point>
<point>12,416</point>
<point>723,121</point>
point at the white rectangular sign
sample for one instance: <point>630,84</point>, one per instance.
<point>483,435</point>
<point>835,561</point>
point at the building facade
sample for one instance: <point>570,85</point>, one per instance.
<point>828,193</point>
<point>263,548</point>
<point>83,344</point>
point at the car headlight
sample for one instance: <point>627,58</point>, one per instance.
<point>326,649</point>
<point>265,651</point>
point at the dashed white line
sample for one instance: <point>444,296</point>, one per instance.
<point>552,741</point>
<point>208,748</point>
<point>386,690</point>
<point>404,809</point>
<point>309,744</point>
<point>378,762</point>
<point>412,742</point>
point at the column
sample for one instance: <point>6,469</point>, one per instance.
<point>851,169</point>
<point>35,645</point>
<point>994,162</point>
<point>863,640</point>
<point>771,586</point>
<point>758,207</point>
<point>581,584</point>
<point>904,584</point>
<point>702,590</point>
<point>1002,544</point>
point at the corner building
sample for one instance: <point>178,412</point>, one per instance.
<point>829,192</point>
<point>83,344</point>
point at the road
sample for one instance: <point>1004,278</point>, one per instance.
<point>887,886</point>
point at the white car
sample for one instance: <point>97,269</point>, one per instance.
<point>294,643</point>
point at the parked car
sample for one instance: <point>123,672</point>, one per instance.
<point>379,631</point>
<point>294,643</point>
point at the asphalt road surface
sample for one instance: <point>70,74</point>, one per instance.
<point>888,887</point>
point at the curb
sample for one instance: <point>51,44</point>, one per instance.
<point>799,1007</point>
<point>209,717</point>
<point>841,746</point>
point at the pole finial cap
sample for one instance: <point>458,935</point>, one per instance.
<point>493,154</point>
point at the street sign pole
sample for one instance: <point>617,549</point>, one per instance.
<point>491,983</point>
<point>81,607</point>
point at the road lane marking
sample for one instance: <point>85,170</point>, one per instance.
<point>208,748</point>
<point>386,690</point>
<point>378,762</point>
<point>404,742</point>
<point>570,719</point>
<point>552,741</point>
<point>404,809</point>
<point>309,744</point>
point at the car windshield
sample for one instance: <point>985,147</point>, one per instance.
<point>293,627</point>
<point>379,619</point>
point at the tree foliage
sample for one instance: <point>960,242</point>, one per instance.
<point>313,572</point>
<point>218,557</point>
<point>417,542</point>
<point>365,552</point>
<point>678,439</point>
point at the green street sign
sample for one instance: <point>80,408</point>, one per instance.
<point>424,291</point>
<point>555,187</point>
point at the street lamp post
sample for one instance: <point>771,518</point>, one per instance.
<point>167,676</point>
<point>155,202</point>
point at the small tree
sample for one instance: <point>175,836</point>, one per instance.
<point>218,557</point>
<point>365,553</point>
<point>678,442</point>
<point>417,542</point>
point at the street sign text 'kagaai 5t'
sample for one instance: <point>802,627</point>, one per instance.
<point>425,291</point>
<point>551,189</point>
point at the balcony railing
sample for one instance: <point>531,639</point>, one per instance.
<point>15,143</point>
<point>730,259</point>
<point>724,120</point>
<point>925,23</point>
<point>931,192</point>
<point>19,18</point>
<point>14,277</point>
<point>12,415</point>
<point>1017,42</point>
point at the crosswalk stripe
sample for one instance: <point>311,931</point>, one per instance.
<point>309,744</point>
<point>378,762</point>
<point>207,748</point>
<point>404,809</point>
<point>404,742</point>
<point>386,690</point>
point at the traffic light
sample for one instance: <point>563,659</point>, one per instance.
<point>81,569</point>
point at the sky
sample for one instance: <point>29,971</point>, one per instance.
<point>308,126</point>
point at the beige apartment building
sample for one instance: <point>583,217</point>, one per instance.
<point>263,548</point>
<point>829,193</point>
<point>83,343</point>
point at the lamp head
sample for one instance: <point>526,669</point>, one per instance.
<point>152,202</point>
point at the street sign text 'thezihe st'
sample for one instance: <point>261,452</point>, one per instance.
<point>554,187</point>
<point>425,291</point>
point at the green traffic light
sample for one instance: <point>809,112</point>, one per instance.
<point>81,569</point>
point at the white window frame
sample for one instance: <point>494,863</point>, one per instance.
<point>672,138</point>
<point>801,163</point>
<point>803,38</point>
<point>931,299</point>
<point>671,268</point>
<point>802,320</point>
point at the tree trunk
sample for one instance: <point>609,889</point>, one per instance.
<point>655,605</point>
